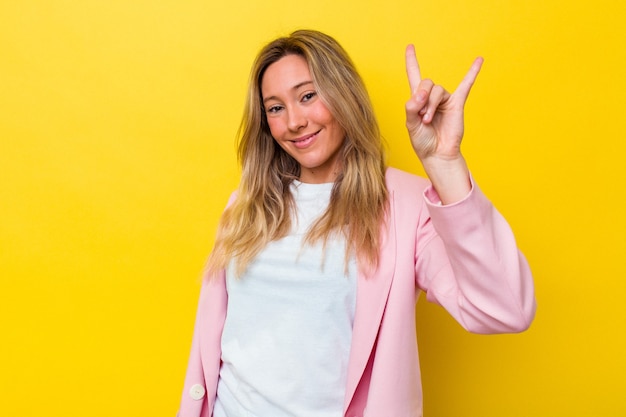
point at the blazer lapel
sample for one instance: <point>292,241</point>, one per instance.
<point>372,293</point>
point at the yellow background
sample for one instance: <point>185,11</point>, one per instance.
<point>117,126</point>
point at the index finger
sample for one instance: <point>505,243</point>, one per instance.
<point>412,68</point>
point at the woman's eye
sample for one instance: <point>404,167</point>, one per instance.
<point>308,96</point>
<point>274,109</point>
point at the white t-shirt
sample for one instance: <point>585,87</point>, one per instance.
<point>288,330</point>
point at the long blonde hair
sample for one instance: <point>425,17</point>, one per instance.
<point>263,207</point>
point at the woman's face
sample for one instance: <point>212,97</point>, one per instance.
<point>299,121</point>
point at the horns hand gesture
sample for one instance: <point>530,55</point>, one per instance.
<point>434,119</point>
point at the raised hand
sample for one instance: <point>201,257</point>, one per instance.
<point>434,119</point>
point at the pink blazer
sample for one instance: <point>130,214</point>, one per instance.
<point>464,257</point>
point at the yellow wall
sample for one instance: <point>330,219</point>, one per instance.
<point>117,121</point>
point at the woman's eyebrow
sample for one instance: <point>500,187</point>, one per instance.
<point>295,87</point>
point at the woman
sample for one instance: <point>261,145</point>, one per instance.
<point>307,307</point>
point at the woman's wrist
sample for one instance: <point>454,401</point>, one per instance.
<point>450,178</point>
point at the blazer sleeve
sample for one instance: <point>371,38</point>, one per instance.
<point>467,261</point>
<point>200,384</point>
<point>204,359</point>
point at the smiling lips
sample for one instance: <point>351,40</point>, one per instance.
<point>304,141</point>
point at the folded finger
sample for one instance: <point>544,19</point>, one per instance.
<point>437,95</point>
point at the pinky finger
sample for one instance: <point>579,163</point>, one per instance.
<point>468,81</point>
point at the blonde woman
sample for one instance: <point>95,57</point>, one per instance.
<point>307,306</point>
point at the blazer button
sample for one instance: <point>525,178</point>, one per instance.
<point>197,392</point>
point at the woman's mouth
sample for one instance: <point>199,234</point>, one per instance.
<point>304,141</point>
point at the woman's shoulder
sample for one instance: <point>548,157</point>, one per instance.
<point>405,182</point>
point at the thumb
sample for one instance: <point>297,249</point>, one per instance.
<point>414,107</point>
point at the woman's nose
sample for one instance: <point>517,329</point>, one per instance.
<point>296,119</point>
